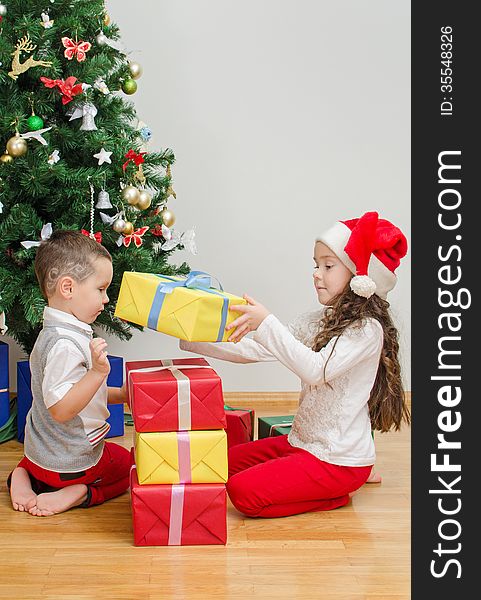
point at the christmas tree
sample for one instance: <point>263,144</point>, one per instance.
<point>74,155</point>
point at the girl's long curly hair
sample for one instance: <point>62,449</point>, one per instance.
<point>387,404</point>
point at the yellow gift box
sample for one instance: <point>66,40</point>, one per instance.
<point>188,308</point>
<point>181,457</point>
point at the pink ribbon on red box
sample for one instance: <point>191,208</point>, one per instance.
<point>176,515</point>
<point>183,452</point>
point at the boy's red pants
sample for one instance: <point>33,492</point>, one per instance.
<point>271,478</point>
<point>107,479</point>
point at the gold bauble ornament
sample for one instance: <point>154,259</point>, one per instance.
<point>6,158</point>
<point>145,200</point>
<point>106,20</point>
<point>128,229</point>
<point>16,146</point>
<point>130,194</point>
<point>135,70</point>
<point>168,217</point>
<point>119,225</point>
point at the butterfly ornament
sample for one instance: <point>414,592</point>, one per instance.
<point>75,49</point>
<point>44,235</point>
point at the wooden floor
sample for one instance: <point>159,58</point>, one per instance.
<point>358,552</point>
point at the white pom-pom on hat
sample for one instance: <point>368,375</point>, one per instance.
<point>363,285</point>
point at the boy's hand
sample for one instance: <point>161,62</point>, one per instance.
<point>254,314</point>
<point>100,362</point>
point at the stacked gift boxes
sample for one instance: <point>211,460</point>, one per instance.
<point>178,482</point>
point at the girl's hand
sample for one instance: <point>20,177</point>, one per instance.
<point>254,314</point>
<point>100,363</point>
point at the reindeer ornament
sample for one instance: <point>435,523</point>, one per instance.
<point>25,45</point>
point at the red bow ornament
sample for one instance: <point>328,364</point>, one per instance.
<point>67,88</point>
<point>75,49</point>
<point>136,237</point>
<point>97,236</point>
<point>136,157</point>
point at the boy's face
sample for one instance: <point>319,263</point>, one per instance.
<point>90,296</point>
<point>330,274</point>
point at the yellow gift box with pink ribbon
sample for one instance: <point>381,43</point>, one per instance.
<point>188,308</point>
<point>181,457</point>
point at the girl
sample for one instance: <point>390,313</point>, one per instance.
<point>346,355</point>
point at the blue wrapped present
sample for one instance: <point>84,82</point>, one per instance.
<point>115,379</point>
<point>116,420</point>
<point>4,385</point>
<point>116,375</point>
<point>24,396</point>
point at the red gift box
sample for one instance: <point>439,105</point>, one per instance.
<point>240,426</point>
<point>175,395</point>
<point>178,515</point>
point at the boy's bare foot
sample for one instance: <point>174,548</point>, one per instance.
<point>374,477</point>
<point>21,493</point>
<point>53,503</point>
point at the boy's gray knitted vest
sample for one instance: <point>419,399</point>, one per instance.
<point>60,447</point>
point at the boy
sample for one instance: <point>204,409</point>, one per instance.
<point>66,462</point>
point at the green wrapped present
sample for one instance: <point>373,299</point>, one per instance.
<point>270,426</point>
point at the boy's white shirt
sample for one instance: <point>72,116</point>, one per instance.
<point>332,421</point>
<point>64,368</point>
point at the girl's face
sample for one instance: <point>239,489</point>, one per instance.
<point>330,274</point>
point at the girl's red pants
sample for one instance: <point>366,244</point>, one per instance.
<point>271,478</point>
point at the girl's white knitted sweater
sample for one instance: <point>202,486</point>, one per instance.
<point>332,421</point>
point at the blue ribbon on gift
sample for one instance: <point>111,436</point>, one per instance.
<point>197,280</point>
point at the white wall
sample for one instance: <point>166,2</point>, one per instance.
<point>284,117</point>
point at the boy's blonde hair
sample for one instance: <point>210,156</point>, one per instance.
<point>66,253</point>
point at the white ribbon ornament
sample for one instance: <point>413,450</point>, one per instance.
<point>107,219</point>
<point>44,235</point>
<point>46,22</point>
<point>173,239</point>
<point>101,86</point>
<point>36,135</point>
<point>3,325</point>
<point>54,157</point>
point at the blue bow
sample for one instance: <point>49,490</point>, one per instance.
<point>197,280</point>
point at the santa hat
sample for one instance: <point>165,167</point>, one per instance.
<point>371,248</point>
